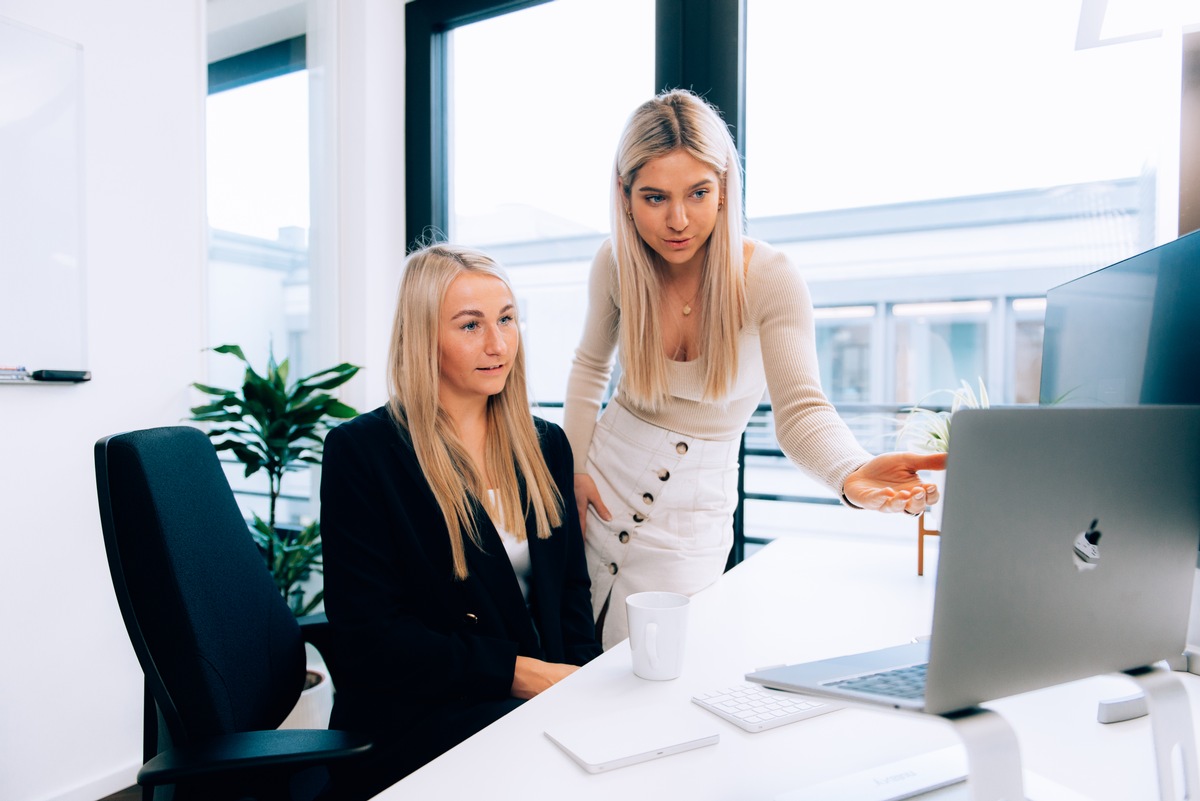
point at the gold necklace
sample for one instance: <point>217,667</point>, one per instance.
<point>687,306</point>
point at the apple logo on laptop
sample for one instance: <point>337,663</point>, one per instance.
<point>1087,547</point>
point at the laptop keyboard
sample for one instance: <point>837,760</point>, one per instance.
<point>756,708</point>
<point>905,682</point>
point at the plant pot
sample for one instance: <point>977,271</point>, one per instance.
<point>313,708</point>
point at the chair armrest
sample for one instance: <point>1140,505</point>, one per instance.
<point>298,748</point>
<point>316,629</point>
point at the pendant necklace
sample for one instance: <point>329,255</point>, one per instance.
<point>687,306</point>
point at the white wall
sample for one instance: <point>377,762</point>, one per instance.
<point>70,694</point>
<point>70,686</point>
<point>368,183</point>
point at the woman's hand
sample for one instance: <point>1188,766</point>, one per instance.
<point>889,483</point>
<point>585,493</point>
<point>532,676</point>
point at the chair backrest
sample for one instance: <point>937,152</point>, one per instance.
<point>220,649</point>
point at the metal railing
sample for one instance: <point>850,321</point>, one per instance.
<point>874,425</point>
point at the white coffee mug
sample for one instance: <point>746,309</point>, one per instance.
<point>657,633</point>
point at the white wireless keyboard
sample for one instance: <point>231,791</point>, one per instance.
<point>756,708</point>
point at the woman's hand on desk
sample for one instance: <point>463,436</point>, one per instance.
<point>531,676</point>
<point>889,483</point>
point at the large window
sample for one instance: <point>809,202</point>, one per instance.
<point>933,167</point>
<point>258,217</point>
<point>844,336</point>
<point>536,100</point>
<point>950,168</point>
<point>979,160</point>
<point>936,345</point>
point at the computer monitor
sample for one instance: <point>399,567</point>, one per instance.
<point>1128,333</point>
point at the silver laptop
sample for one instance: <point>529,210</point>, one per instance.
<point>1069,543</point>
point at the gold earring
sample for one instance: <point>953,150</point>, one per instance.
<point>629,214</point>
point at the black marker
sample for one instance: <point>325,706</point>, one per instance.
<point>62,375</point>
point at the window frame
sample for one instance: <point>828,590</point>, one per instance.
<point>254,66</point>
<point>260,64</point>
<point>700,44</point>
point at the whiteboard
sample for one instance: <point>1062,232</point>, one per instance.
<point>42,294</point>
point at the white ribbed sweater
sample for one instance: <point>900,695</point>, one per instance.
<point>777,354</point>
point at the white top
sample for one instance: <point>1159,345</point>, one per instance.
<point>777,352</point>
<point>517,550</point>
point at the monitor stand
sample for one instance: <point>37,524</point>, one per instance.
<point>1192,654</point>
<point>994,757</point>
<point>1170,712</point>
<point>1115,710</point>
<point>993,754</point>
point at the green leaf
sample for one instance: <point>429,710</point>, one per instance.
<point>234,349</point>
<point>330,383</point>
<point>273,426</point>
<point>345,368</point>
<point>214,390</point>
<point>301,611</point>
<point>341,411</point>
<point>215,416</point>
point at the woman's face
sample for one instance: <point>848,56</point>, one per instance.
<point>477,339</point>
<point>674,201</point>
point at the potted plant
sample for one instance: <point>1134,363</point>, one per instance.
<point>277,427</point>
<point>928,431</point>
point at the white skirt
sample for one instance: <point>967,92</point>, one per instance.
<point>672,499</point>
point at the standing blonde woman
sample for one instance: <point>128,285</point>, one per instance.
<point>703,321</point>
<point>455,578</point>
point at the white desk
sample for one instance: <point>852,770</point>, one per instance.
<point>793,601</point>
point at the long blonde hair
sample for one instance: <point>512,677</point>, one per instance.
<point>512,456</point>
<point>679,120</point>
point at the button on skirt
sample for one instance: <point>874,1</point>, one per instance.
<point>672,499</point>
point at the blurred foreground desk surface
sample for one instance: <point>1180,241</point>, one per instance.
<point>795,600</point>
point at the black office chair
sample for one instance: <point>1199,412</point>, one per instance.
<point>222,654</point>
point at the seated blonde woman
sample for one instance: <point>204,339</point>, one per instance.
<point>455,577</point>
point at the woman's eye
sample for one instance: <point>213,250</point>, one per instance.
<point>654,200</point>
<point>506,319</point>
<point>701,193</point>
<point>470,326</point>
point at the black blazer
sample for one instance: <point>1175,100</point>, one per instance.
<point>413,638</point>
